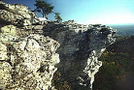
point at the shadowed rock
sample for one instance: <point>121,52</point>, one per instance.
<point>81,45</point>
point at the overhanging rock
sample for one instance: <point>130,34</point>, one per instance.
<point>81,45</point>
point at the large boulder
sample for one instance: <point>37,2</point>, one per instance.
<point>16,14</point>
<point>26,62</point>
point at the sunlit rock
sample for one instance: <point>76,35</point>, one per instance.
<point>28,63</point>
<point>9,29</point>
<point>16,14</point>
<point>3,52</point>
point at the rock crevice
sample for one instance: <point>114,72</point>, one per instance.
<point>30,54</point>
<point>81,45</point>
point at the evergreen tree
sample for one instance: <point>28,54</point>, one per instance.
<point>43,7</point>
<point>58,17</point>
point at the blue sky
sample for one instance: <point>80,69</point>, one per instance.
<point>90,11</point>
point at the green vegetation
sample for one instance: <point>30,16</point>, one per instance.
<point>58,17</point>
<point>43,7</point>
<point>117,69</point>
<point>46,8</point>
<point>117,66</point>
<point>59,85</point>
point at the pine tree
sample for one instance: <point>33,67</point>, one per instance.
<point>58,17</point>
<point>43,7</point>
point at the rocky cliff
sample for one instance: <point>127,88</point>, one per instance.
<point>81,45</point>
<point>29,54</point>
<point>27,58</point>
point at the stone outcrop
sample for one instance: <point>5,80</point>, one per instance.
<point>26,62</point>
<point>81,45</point>
<point>29,56</point>
<point>16,14</point>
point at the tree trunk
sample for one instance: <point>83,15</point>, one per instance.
<point>45,15</point>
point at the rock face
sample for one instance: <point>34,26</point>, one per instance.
<point>81,45</point>
<point>28,62</point>
<point>16,14</point>
<point>28,59</point>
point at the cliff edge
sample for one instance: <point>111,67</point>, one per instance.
<point>80,48</point>
<point>30,53</point>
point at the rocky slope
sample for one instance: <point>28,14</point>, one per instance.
<point>28,59</point>
<point>28,63</point>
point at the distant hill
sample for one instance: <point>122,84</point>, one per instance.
<point>124,29</point>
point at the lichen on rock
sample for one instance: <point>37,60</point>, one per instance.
<point>5,74</point>
<point>9,29</point>
<point>16,14</point>
<point>28,63</point>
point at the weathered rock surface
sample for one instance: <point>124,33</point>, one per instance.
<point>28,59</point>
<point>28,62</point>
<point>16,14</point>
<point>81,45</point>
